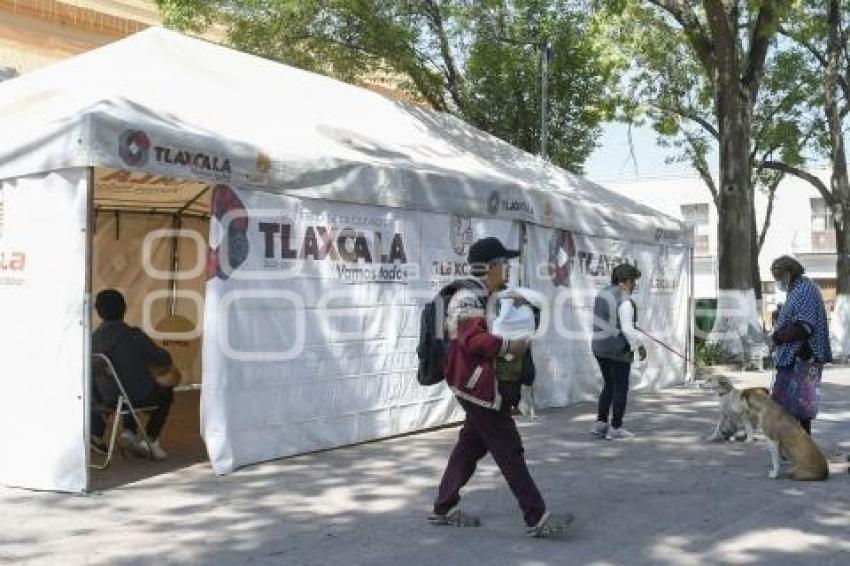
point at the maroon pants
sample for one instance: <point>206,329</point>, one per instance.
<point>486,430</point>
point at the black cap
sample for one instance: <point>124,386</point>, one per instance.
<point>486,250</point>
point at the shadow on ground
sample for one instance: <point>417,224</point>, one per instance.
<point>665,497</point>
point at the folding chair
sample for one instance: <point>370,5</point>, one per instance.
<point>108,386</point>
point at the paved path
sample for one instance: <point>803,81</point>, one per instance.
<point>663,498</point>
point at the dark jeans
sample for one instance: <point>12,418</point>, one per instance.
<point>615,392</point>
<point>486,430</point>
<point>162,397</point>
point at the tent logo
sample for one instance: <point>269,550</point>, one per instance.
<point>461,234</point>
<point>133,147</point>
<point>226,203</point>
<point>264,163</point>
<point>493,203</point>
<point>562,257</point>
<point>661,282</point>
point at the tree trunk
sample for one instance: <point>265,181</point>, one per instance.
<point>738,324</point>
<point>754,250</point>
<point>840,323</point>
<point>734,231</point>
<point>840,206</point>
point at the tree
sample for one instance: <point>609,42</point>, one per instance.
<point>819,34</point>
<point>698,72</point>
<point>478,60</point>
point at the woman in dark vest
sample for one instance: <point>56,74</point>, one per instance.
<point>614,343</point>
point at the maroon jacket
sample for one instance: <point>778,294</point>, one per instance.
<point>469,366</point>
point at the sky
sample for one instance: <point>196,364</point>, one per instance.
<point>612,159</point>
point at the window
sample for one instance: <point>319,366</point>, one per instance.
<point>823,230</point>
<point>696,215</point>
<point>821,216</point>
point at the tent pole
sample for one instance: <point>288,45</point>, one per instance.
<point>522,278</point>
<point>194,199</point>
<point>87,325</point>
<point>690,370</point>
<point>176,224</point>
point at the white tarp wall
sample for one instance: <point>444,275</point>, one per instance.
<point>570,269</point>
<point>311,341</point>
<point>42,330</point>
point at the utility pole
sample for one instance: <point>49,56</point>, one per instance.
<point>546,53</point>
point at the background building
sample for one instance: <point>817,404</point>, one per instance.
<point>34,33</point>
<point>800,225</point>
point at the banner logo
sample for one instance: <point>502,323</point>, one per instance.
<point>493,203</point>
<point>226,203</point>
<point>496,204</point>
<point>264,163</point>
<point>461,234</point>
<point>660,281</point>
<point>562,257</point>
<point>134,147</point>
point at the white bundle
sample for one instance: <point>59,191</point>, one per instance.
<point>516,322</point>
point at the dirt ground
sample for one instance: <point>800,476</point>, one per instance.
<point>665,497</point>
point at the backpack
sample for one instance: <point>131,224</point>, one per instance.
<point>433,346</point>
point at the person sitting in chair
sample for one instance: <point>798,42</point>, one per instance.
<point>132,353</point>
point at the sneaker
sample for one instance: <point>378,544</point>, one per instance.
<point>550,525</point>
<point>98,446</point>
<point>599,429</point>
<point>154,450</point>
<point>128,441</point>
<point>454,518</point>
<point>618,434</point>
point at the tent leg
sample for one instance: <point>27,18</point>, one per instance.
<point>87,327</point>
<point>690,368</point>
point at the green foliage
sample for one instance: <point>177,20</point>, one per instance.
<point>706,354</point>
<point>675,93</point>
<point>479,60</point>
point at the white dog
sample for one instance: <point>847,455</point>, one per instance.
<point>734,415</point>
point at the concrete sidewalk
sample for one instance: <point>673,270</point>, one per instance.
<point>665,497</point>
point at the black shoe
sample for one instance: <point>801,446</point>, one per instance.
<point>454,518</point>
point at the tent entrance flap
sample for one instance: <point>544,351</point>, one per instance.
<point>42,330</point>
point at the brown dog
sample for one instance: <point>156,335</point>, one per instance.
<point>783,432</point>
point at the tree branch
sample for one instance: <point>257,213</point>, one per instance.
<point>771,196</point>
<point>701,165</point>
<point>725,38</point>
<point>819,57</point>
<point>454,79</point>
<point>759,45</point>
<point>678,111</point>
<point>700,41</point>
<point>801,174</point>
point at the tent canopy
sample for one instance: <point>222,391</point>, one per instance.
<point>162,103</point>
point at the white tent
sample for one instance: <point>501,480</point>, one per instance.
<point>331,214</point>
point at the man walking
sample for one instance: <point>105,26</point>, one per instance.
<point>489,426</point>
